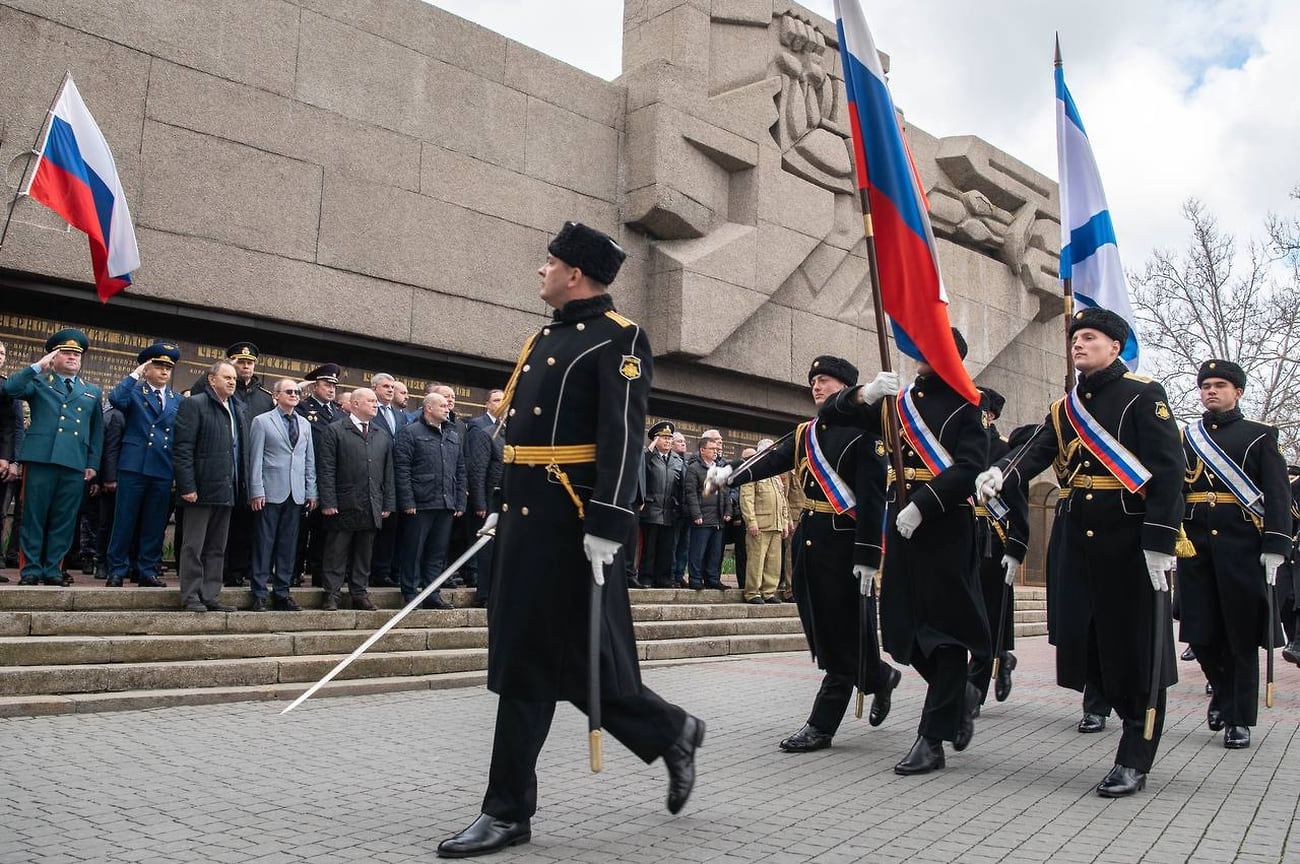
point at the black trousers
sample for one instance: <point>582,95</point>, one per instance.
<point>646,724</point>
<point>386,555</point>
<point>347,557</point>
<point>831,702</point>
<point>657,554</point>
<point>1235,678</point>
<point>1134,751</point>
<point>1094,702</point>
<point>239,553</point>
<point>944,671</point>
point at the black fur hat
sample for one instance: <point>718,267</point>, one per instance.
<point>1225,369</point>
<point>593,252</point>
<point>1103,320</point>
<point>993,401</point>
<point>836,367</point>
<point>961,343</point>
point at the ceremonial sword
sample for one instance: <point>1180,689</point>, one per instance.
<point>485,536</point>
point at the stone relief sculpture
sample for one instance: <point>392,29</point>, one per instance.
<point>738,165</point>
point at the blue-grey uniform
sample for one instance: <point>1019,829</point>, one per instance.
<point>144,468</point>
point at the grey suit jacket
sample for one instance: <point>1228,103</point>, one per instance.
<point>277,471</point>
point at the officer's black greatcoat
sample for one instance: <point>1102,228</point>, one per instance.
<point>1103,599</point>
<point>826,545</point>
<point>1222,588</point>
<point>930,594</point>
<point>584,380</point>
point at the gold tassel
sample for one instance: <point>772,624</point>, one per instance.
<point>1183,547</point>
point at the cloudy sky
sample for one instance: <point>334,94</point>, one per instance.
<point>1180,98</point>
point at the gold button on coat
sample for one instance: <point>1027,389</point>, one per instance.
<point>1089,532</point>
<point>523,511</point>
<point>550,361</point>
<point>538,410</point>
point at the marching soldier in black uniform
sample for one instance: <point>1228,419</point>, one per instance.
<point>1115,441</point>
<point>576,408</point>
<point>930,605</point>
<point>836,545</point>
<point>320,410</point>
<point>1238,517</point>
<point>996,578</point>
<point>1288,592</point>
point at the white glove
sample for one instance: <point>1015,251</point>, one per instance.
<point>884,384</point>
<point>988,484</point>
<point>1271,561</point>
<point>865,575</point>
<point>1157,565</point>
<point>599,550</point>
<point>908,521</point>
<point>716,478</point>
<point>1012,566</point>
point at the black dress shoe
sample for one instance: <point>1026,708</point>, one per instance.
<point>196,607</point>
<point>1236,737</point>
<point>717,586</point>
<point>966,729</point>
<point>1121,781</point>
<point>485,835</point>
<point>150,582</point>
<point>1188,654</point>
<point>28,580</point>
<point>382,582</point>
<point>756,601</point>
<point>284,604</point>
<point>220,607</point>
<point>1002,687</point>
<point>65,581</point>
<point>1092,723</point>
<point>680,761</point>
<point>1291,652</point>
<point>1213,719</point>
<point>774,600</point>
<point>330,603</point>
<point>363,601</point>
<point>925,756</point>
<point>435,601</point>
<point>259,605</point>
<point>4,578</point>
<point>806,740</point>
<point>113,582</point>
<point>881,702</point>
<point>88,565</point>
<point>101,572</point>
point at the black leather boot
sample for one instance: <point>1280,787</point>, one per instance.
<point>806,740</point>
<point>1092,723</point>
<point>1121,781</point>
<point>1236,737</point>
<point>925,756</point>
<point>881,702</point>
<point>680,760</point>
<point>485,835</point>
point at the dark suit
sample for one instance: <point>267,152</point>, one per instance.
<point>144,476</point>
<point>484,465</point>
<point>65,439</point>
<point>209,449</point>
<point>311,533</point>
<point>385,559</point>
<point>355,477</point>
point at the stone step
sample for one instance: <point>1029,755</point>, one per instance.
<point>103,649</point>
<point>98,599</point>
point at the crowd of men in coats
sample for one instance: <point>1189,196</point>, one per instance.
<point>269,482</point>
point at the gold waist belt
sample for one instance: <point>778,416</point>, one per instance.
<point>912,474</point>
<point>1094,481</point>
<point>1211,498</point>
<point>568,454</point>
<point>818,507</point>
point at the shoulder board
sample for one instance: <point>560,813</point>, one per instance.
<point>1134,377</point>
<point>619,319</point>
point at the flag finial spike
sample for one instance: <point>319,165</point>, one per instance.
<point>1058,48</point>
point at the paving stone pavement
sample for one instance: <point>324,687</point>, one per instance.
<point>385,778</point>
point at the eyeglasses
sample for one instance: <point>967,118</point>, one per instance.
<point>289,392</point>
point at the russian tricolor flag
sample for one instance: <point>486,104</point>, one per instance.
<point>76,177</point>
<point>911,288</point>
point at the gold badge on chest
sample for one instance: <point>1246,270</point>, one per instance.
<point>1162,411</point>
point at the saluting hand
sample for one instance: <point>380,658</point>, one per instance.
<point>139,370</point>
<point>45,361</point>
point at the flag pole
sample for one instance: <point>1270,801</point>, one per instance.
<point>882,339</point>
<point>29,173</point>
<point>1067,288</point>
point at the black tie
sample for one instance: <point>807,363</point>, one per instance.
<point>364,426</point>
<point>293,429</point>
<point>157,394</point>
<point>67,385</point>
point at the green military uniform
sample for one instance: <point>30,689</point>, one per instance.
<point>64,439</point>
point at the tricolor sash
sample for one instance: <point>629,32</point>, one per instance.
<point>935,456</point>
<point>1117,458</point>
<point>838,493</point>
<point>1228,471</point>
